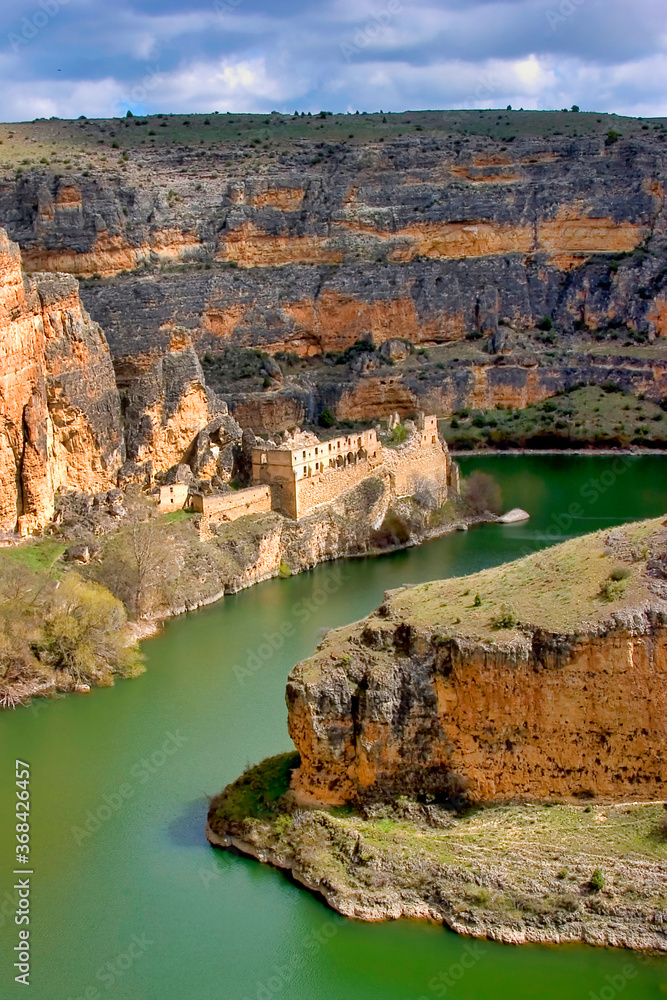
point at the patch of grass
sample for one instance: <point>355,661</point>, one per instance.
<point>257,794</point>
<point>174,516</point>
<point>35,555</point>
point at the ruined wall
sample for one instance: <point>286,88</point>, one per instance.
<point>327,485</point>
<point>229,506</point>
<point>173,497</point>
<point>59,406</point>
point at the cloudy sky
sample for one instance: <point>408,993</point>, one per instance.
<point>101,57</point>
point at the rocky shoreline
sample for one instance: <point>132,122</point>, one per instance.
<point>514,892</point>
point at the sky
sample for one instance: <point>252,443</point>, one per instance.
<point>66,58</point>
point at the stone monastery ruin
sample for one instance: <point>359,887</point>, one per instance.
<point>294,479</point>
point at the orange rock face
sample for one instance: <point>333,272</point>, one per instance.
<point>110,254</point>
<point>58,398</point>
<point>561,723</point>
<point>411,701</point>
<point>251,246</point>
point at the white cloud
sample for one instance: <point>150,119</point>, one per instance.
<point>229,85</point>
<point>257,55</point>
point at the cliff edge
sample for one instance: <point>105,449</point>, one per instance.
<point>544,678</point>
<point>484,751</point>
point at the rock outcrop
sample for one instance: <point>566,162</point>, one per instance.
<point>543,679</point>
<point>171,417</point>
<point>61,421</point>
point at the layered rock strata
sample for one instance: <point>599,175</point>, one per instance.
<point>544,679</point>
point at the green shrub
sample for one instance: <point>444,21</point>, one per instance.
<point>477,603</point>
<point>546,323</point>
<point>612,590</point>
<point>597,880</point>
<point>327,418</point>
<point>620,573</point>
<point>399,434</point>
<point>506,618</point>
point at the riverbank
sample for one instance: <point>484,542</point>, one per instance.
<point>160,567</point>
<point>590,417</point>
<point>523,873</point>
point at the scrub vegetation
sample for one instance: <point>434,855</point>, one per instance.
<point>587,416</point>
<point>108,143</point>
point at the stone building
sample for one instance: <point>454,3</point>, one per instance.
<point>218,507</point>
<point>173,497</point>
<point>302,477</point>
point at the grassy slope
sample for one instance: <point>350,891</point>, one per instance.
<point>569,419</point>
<point>557,589</point>
<point>89,143</point>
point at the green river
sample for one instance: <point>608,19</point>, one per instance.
<point>127,899</point>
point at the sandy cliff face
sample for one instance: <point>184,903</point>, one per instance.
<point>58,399</point>
<point>564,700</point>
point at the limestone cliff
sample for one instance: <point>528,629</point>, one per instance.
<point>61,424</point>
<point>171,417</point>
<point>425,237</point>
<point>433,238</point>
<point>542,679</point>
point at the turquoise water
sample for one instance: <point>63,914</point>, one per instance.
<point>128,900</point>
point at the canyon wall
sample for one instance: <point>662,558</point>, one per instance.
<point>425,237</point>
<point>441,388</point>
<point>429,238</point>
<point>61,423</point>
<point>410,701</point>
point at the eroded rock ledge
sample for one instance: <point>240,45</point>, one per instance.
<point>484,751</point>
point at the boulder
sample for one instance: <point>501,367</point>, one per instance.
<point>514,516</point>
